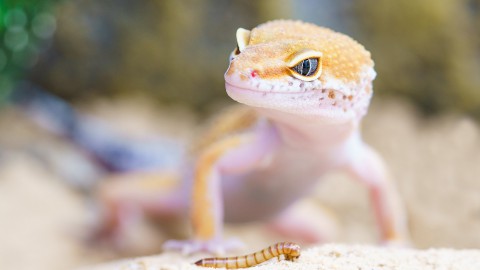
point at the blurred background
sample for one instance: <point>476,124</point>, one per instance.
<point>151,72</point>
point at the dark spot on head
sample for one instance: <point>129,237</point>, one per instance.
<point>334,103</point>
<point>302,84</point>
<point>323,90</point>
<point>331,94</point>
<point>344,97</point>
<point>322,98</point>
<point>290,83</point>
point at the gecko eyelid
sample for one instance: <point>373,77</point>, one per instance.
<point>243,38</point>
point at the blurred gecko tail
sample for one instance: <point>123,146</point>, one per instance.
<point>47,110</point>
<point>109,148</point>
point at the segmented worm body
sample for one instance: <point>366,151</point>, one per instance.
<point>289,250</point>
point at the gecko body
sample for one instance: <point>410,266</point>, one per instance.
<point>306,89</point>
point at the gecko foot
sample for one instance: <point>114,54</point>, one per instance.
<point>213,246</point>
<point>400,242</point>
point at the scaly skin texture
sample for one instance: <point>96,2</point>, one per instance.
<point>263,157</point>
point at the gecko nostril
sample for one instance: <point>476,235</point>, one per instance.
<point>254,73</point>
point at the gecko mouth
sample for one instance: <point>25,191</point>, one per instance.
<point>326,102</point>
<point>263,92</point>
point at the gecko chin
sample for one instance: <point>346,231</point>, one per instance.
<point>330,105</point>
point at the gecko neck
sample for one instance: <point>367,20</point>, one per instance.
<point>299,130</point>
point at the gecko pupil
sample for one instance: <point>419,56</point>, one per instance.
<point>307,67</point>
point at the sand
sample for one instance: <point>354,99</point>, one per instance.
<point>328,257</point>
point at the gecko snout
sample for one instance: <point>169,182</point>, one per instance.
<point>248,74</point>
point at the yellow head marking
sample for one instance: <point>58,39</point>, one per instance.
<point>270,48</point>
<point>301,68</point>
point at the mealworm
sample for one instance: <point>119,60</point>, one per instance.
<point>289,250</point>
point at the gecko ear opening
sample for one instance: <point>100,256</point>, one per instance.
<point>306,65</point>
<point>243,38</point>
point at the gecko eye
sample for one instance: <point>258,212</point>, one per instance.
<point>243,38</point>
<point>306,65</point>
<point>234,53</point>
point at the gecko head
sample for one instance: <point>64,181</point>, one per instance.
<point>300,68</point>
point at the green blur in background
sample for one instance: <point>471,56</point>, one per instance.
<point>427,51</point>
<point>25,26</point>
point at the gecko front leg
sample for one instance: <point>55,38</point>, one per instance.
<point>368,167</point>
<point>234,154</point>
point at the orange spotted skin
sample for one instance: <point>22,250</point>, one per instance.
<point>344,58</point>
<point>290,251</point>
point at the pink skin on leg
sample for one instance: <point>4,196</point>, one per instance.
<point>126,199</point>
<point>242,158</point>
<point>367,166</point>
